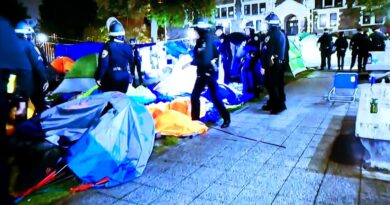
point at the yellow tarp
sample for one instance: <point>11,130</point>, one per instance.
<point>174,118</point>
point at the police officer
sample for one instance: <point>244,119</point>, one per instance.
<point>326,47</point>
<point>355,46</point>
<point>341,47</point>
<point>137,62</point>
<point>225,52</point>
<point>32,83</point>
<point>205,57</point>
<point>115,60</point>
<point>363,54</point>
<point>250,72</point>
<point>377,40</point>
<point>273,60</point>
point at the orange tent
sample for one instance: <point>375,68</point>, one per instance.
<point>62,64</point>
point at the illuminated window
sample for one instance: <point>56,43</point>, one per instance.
<point>217,12</point>
<point>323,20</point>
<point>333,19</point>
<point>379,19</point>
<point>258,25</point>
<point>338,3</point>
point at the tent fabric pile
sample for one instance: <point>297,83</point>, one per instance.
<point>80,78</point>
<point>174,118</point>
<point>107,135</point>
<point>62,64</point>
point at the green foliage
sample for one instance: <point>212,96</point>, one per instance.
<point>381,7</point>
<point>180,12</point>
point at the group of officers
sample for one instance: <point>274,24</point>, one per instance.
<point>360,45</point>
<point>265,57</point>
<point>270,51</point>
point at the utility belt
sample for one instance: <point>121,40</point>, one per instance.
<point>118,69</point>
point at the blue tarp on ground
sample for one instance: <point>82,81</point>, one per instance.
<point>113,136</point>
<point>76,51</point>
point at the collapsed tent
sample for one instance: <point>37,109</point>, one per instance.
<point>108,136</point>
<point>81,76</point>
<point>174,118</point>
<point>62,64</point>
<point>295,57</point>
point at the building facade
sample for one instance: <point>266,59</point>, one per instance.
<point>296,16</point>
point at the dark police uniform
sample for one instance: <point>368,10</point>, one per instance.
<point>30,83</point>
<point>114,65</point>
<point>377,41</point>
<point>250,76</point>
<point>355,46</point>
<point>136,65</point>
<point>341,47</point>
<point>225,52</point>
<point>364,44</point>
<point>204,52</point>
<point>273,61</point>
<point>326,47</point>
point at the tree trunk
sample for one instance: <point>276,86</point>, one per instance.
<point>236,23</point>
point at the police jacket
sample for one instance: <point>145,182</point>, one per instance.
<point>341,44</point>
<point>38,68</point>
<point>137,56</point>
<point>377,41</point>
<point>274,48</point>
<point>205,51</point>
<point>252,46</point>
<point>224,48</point>
<point>325,42</point>
<point>115,56</point>
<point>356,40</point>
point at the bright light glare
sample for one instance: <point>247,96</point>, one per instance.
<point>192,34</point>
<point>42,38</point>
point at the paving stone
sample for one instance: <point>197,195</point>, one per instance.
<point>181,169</point>
<point>282,200</point>
<point>247,168</point>
<point>338,190</point>
<point>283,160</point>
<point>165,182</point>
<point>220,193</point>
<point>173,198</point>
<point>234,178</point>
<point>301,185</point>
<point>253,197</point>
<point>343,170</point>
<point>144,195</point>
<point>120,191</point>
<point>199,201</point>
<point>372,189</point>
<point>305,130</point>
<point>221,163</point>
<point>120,202</point>
<point>192,186</point>
<point>90,197</point>
<point>207,174</point>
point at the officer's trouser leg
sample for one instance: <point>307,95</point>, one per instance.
<point>360,62</point>
<point>328,56</point>
<point>323,58</point>
<point>342,56</point>
<point>227,63</point>
<point>274,98</point>
<point>281,83</point>
<point>353,59</point>
<point>212,86</point>
<point>246,77</point>
<point>200,83</point>
<point>139,73</point>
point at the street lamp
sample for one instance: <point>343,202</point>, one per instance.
<point>41,38</point>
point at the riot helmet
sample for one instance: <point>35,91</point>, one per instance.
<point>272,20</point>
<point>24,30</point>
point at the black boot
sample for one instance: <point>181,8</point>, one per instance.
<point>225,124</point>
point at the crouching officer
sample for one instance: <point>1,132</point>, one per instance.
<point>273,60</point>
<point>205,57</point>
<point>31,83</point>
<point>115,60</point>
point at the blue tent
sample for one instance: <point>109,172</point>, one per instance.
<point>108,136</point>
